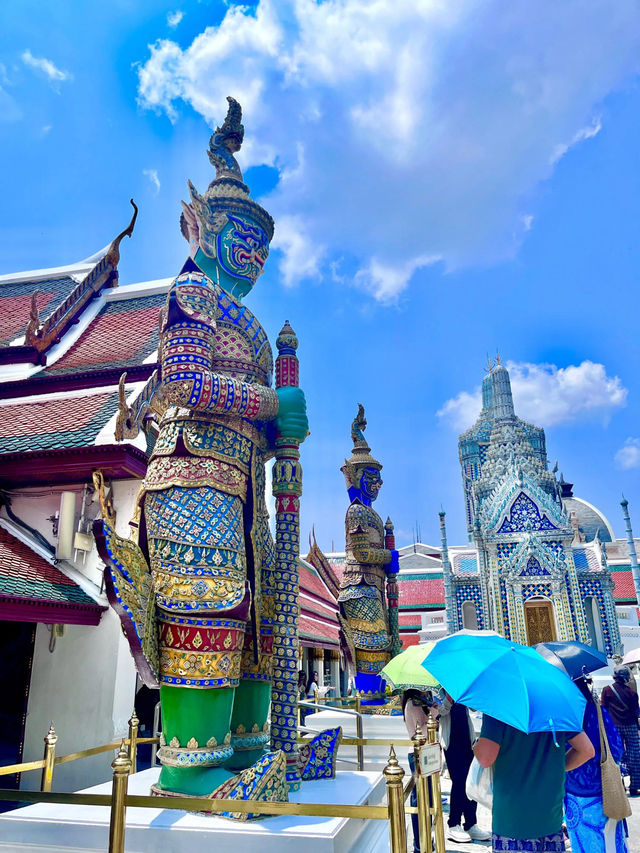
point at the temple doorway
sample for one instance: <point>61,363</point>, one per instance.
<point>539,621</point>
<point>16,642</point>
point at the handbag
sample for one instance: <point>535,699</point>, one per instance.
<point>615,803</point>
<point>479,784</point>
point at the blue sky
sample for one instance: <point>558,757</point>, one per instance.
<point>447,180</point>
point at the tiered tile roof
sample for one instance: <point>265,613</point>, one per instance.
<point>123,335</point>
<point>32,587</point>
<point>61,422</point>
<point>15,303</point>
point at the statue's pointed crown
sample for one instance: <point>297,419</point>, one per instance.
<point>361,456</point>
<point>227,193</point>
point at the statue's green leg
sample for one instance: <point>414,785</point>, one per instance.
<point>248,723</point>
<point>196,718</point>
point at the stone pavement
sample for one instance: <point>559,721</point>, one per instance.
<point>484,820</point>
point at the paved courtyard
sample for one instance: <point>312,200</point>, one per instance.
<point>484,820</point>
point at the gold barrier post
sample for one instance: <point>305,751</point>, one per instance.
<point>134,725</point>
<point>50,740</point>
<point>435,790</point>
<point>121,768</point>
<point>422,793</point>
<point>393,775</point>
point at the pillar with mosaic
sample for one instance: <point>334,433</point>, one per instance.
<point>368,591</point>
<point>197,589</point>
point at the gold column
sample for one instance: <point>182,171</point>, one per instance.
<point>422,793</point>
<point>134,724</point>
<point>393,775</point>
<point>435,790</point>
<point>121,766</point>
<point>50,740</point>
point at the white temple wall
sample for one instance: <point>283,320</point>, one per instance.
<point>34,506</point>
<point>86,687</point>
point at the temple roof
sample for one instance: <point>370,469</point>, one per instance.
<point>123,334</point>
<point>32,589</point>
<point>590,520</point>
<point>57,421</point>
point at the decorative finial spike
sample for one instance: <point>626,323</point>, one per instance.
<point>225,141</point>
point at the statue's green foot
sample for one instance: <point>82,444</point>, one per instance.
<point>190,781</point>
<point>265,782</point>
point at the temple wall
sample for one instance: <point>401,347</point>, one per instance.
<point>86,686</point>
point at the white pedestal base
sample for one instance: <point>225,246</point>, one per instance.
<point>54,828</point>
<point>373,726</point>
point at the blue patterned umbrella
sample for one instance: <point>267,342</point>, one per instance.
<point>506,680</point>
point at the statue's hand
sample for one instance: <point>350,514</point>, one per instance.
<point>393,567</point>
<point>292,421</point>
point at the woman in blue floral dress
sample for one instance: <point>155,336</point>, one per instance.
<point>590,830</point>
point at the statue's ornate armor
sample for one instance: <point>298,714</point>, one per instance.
<point>362,590</point>
<point>203,497</point>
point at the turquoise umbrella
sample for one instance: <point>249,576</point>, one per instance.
<point>506,680</point>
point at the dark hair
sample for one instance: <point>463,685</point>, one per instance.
<point>584,686</point>
<point>412,693</point>
<point>302,678</point>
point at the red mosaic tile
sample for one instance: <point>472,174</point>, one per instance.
<point>50,416</point>
<point>18,560</point>
<point>14,313</point>
<point>111,337</point>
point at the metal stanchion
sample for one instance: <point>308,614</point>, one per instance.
<point>50,740</point>
<point>134,724</point>
<point>422,793</point>
<point>438,819</point>
<point>393,775</point>
<point>360,747</point>
<point>121,768</point>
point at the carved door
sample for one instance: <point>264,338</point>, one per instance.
<point>539,622</point>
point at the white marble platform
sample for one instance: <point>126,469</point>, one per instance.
<point>373,726</point>
<point>54,828</point>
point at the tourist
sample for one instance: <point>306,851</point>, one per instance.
<point>590,830</point>
<point>302,685</point>
<point>528,783</point>
<point>456,736</point>
<point>416,709</point>
<point>622,704</point>
<point>313,686</point>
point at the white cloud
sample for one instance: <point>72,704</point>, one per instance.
<point>152,174</point>
<point>301,256</point>
<point>174,18</point>
<point>629,454</point>
<point>54,74</point>
<point>547,395</point>
<point>403,129</point>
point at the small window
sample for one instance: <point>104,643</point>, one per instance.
<point>469,616</point>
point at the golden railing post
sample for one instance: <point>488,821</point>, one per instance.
<point>393,775</point>
<point>432,729</point>
<point>422,794</point>
<point>50,740</point>
<point>358,701</point>
<point>134,725</point>
<point>121,768</point>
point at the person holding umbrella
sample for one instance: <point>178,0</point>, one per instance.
<point>532,711</point>
<point>622,704</point>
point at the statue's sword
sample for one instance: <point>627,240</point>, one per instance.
<point>287,488</point>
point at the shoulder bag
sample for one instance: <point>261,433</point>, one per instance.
<point>615,803</point>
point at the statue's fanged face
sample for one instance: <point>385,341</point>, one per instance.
<point>242,249</point>
<point>370,483</point>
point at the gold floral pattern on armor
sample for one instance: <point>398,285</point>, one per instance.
<point>187,592</point>
<point>189,471</point>
<point>205,665</point>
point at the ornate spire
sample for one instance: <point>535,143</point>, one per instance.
<point>225,141</point>
<point>631,545</point>
<point>452,622</point>
<point>502,396</point>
